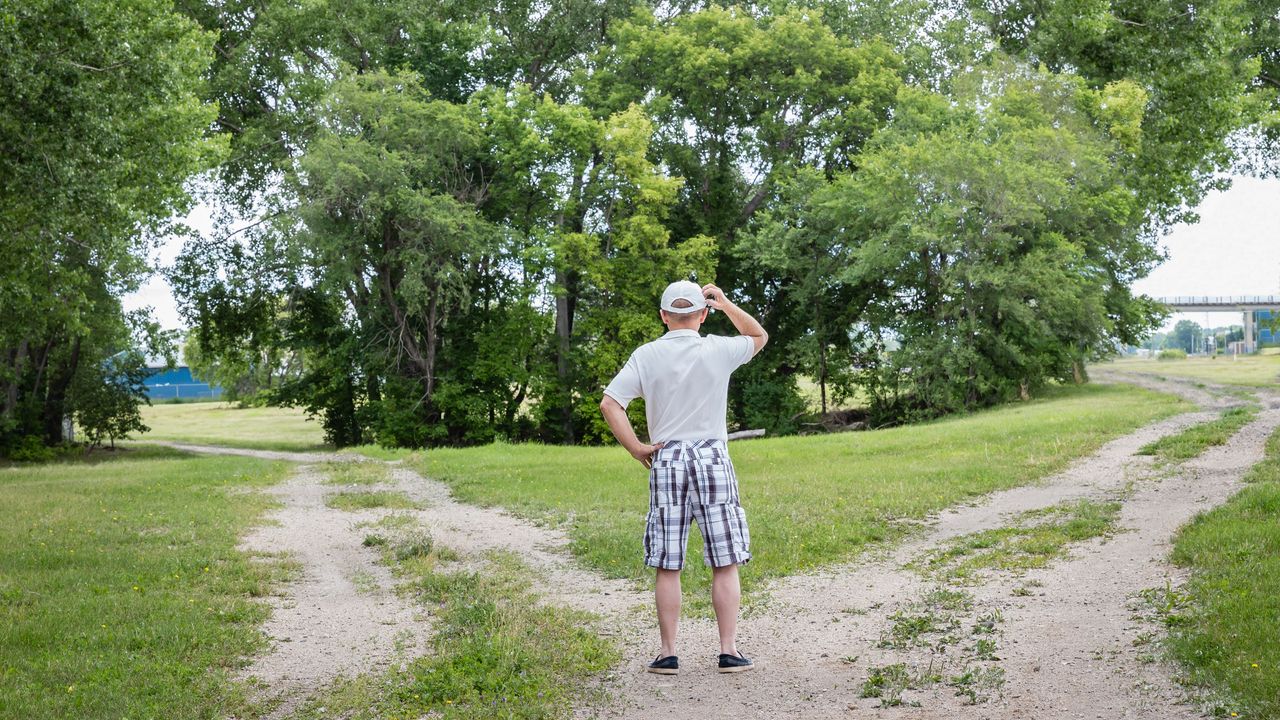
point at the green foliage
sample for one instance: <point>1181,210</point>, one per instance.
<point>467,211</point>
<point>990,239</point>
<point>102,127</point>
<point>107,405</point>
<point>1171,354</point>
<point>1187,336</point>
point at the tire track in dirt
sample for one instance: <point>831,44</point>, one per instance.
<point>341,616</point>
<point>813,626</point>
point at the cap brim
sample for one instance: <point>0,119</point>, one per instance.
<point>684,311</point>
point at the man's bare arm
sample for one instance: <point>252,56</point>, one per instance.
<point>620,424</point>
<point>741,320</point>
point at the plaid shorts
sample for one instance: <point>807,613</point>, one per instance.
<point>694,481</point>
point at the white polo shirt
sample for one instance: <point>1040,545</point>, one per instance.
<point>684,380</point>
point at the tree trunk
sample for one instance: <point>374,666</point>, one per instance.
<point>56,400</point>
<point>17,358</point>
<point>564,332</point>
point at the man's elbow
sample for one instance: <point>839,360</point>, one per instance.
<point>760,340</point>
<point>606,403</point>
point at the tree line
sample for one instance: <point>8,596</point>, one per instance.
<point>461,213</point>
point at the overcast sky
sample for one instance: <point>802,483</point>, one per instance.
<point>1233,250</point>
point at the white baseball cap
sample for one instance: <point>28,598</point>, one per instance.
<point>683,290</point>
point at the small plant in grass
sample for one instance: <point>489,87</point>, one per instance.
<point>365,500</point>
<point>413,544</point>
<point>374,540</point>
<point>1171,354</point>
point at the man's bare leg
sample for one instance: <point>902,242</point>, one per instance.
<point>726,594</point>
<point>667,595</point>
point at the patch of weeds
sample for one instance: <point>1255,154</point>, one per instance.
<point>985,649</point>
<point>365,583</point>
<point>365,500</point>
<point>355,473</point>
<point>908,628</point>
<point>374,540</point>
<point>497,653</point>
<point>1165,605</point>
<point>977,683</point>
<point>887,682</point>
<point>412,544</point>
<point>1034,540</point>
<point>949,599</point>
<point>1196,439</point>
<point>1022,591</point>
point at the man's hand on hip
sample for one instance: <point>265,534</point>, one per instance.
<point>645,453</point>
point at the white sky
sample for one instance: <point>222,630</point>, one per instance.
<point>1233,250</point>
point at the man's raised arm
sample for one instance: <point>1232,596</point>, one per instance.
<point>741,320</point>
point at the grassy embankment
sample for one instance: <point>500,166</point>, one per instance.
<point>1225,636</point>
<point>810,500</point>
<point>122,592</point>
<point>1249,370</point>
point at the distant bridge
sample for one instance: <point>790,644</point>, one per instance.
<point>1245,304</point>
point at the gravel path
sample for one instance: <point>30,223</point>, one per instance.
<point>1067,650</point>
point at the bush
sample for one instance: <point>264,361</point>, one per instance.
<point>30,448</point>
<point>1172,354</point>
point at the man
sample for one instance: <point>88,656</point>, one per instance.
<point>684,380</point>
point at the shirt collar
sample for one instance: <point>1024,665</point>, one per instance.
<point>687,332</point>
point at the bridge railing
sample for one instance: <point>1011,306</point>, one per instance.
<point>1224,300</point>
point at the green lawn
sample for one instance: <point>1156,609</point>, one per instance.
<point>217,423</point>
<point>809,500</point>
<point>1227,640</point>
<point>122,594</point>
<point>1249,370</point>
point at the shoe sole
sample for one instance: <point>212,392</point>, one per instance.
<point>663,671</point>
<point>739,668</point>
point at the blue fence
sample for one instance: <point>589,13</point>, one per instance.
<point>178,383</point>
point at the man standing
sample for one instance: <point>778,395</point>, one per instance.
<point>684,380</point>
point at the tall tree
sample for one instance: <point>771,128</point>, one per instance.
<point>101,126</point>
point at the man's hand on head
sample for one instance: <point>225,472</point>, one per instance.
<point>715,296</point>
<point>644,453</point>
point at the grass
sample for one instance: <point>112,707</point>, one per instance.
<point>220,423</point>
<point>122,592</point>
<point>1226,639</point>
<point>1261,370</point>
<point>1196,439</point>
<point>810,500</point>
<point>497,652</point>
<point>1035,539</point>
<point>368,499</point>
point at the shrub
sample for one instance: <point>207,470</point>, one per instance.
<point>1172,354</point>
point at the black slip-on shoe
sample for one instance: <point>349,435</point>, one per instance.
<point>735,663</point>
<point>669,665</point>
